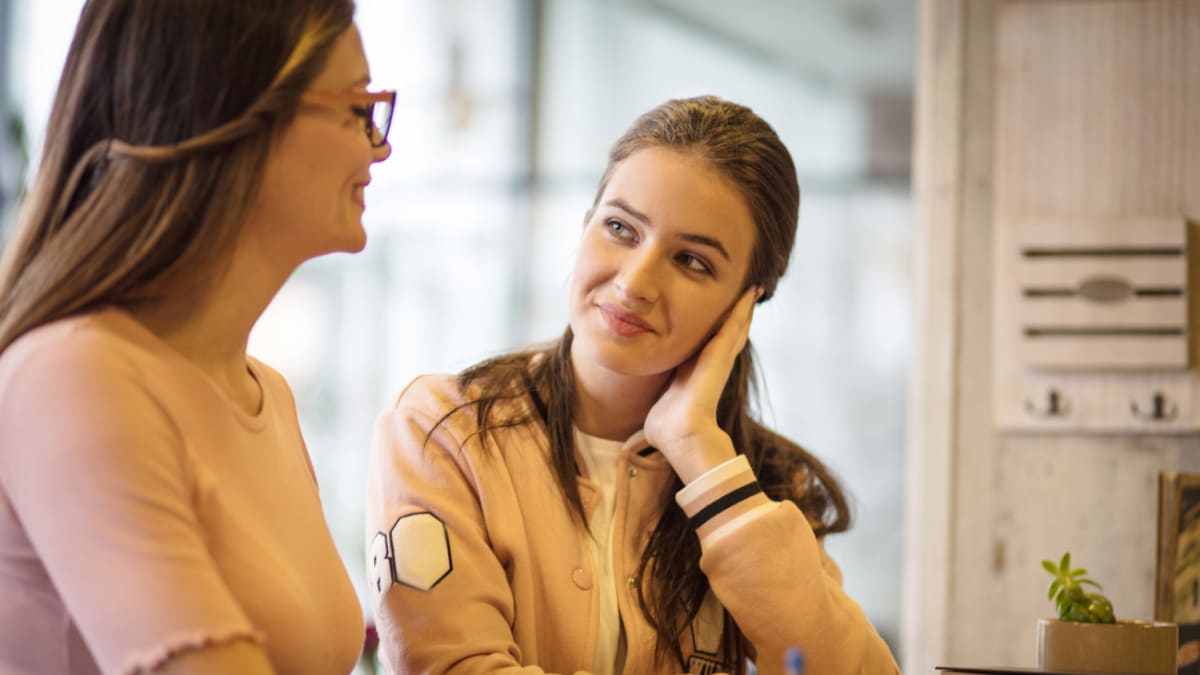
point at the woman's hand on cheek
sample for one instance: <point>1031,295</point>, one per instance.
<point>682,424</point>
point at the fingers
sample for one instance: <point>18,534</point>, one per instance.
<point>719,353</point>
<point>735,329</point>
<point>747,303</point>
<point>692,394</point>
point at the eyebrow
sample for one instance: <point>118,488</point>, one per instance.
<point>687,236</point>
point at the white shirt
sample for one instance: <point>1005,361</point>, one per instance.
<point>600,460</point>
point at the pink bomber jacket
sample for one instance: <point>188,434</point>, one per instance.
<point>477,566</point>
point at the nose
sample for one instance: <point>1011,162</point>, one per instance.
<point>381,153</point>
<point>637,280</point>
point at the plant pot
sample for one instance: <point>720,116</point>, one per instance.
<point>1122,647</point>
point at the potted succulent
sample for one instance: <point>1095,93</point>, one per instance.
<point>1087,637</point>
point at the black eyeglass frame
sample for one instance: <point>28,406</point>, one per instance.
<point>362,103</point>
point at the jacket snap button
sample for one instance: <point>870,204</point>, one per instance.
<point>582,579</point>
<point>633,472</point>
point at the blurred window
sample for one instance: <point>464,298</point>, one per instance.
<point>503,119</point>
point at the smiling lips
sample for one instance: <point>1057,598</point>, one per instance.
<point>357,193</point>
<point>623,323</point>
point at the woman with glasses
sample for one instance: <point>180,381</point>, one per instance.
<point>158,509</point>
<point>607,503</point>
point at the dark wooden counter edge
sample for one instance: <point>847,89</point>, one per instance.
<point>984,670</point>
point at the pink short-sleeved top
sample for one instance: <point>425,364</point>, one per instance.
<point>142,513</point>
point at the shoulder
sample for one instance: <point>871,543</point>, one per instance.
<point>81,391</point>
<point>74,357</point>
<point>429,406</point>
<point>441,409</point>
<point>438,393</point>
<point>444,394</point>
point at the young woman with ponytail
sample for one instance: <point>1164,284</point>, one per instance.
<point>158,509</point>
<point>608,503</point>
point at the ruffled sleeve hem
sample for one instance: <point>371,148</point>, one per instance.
<point>148,660</point>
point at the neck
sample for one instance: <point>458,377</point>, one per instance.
<point>612,405</point>
<point>212,328</point>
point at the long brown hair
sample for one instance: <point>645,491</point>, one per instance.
<point>745,149</point>
<point>155,148</point>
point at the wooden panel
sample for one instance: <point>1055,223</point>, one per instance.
<point>1096,137</point>
<point>1138,231</point>
<point>933,400</point>
<point>1093,475</point>
<point>1047,313</point>
<point>1142,272</point>
<point>1189,139</point>
<point>1098,403</point>
<point>969,630</point>
<point>1105,355</point>
<point>1091,108</point>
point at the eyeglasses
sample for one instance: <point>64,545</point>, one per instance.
<point>375,109</point>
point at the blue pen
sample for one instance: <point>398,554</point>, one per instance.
<point>793,661</point>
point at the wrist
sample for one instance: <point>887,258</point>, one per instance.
<point>726,495</point>
<point>694,455</point>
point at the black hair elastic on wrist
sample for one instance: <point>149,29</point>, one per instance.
<point>724,502</point>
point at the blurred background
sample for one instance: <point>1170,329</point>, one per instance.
<point>505,112</point>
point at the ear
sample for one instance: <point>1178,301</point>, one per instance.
<point>768,293</point>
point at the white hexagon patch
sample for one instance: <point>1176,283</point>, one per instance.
<point>420,550</point>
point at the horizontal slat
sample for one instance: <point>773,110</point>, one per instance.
<point>1101,251</point>
<point>1103,331</point>
<point>1078,312</point>
<point>1104,353</point>
<point>1070,272</point>
<point>1139,232</point>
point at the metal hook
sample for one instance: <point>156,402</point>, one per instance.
<point>1160,409</point>
<point>1056,406</point>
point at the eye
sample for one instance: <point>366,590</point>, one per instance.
<point>619,230</point>
<point>366,114</point>
<point>694,263</point>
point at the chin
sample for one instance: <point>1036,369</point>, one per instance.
<point>634,367</point>
<point>628,360</point>
<point>355,242</point>
<point>344,246</point>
